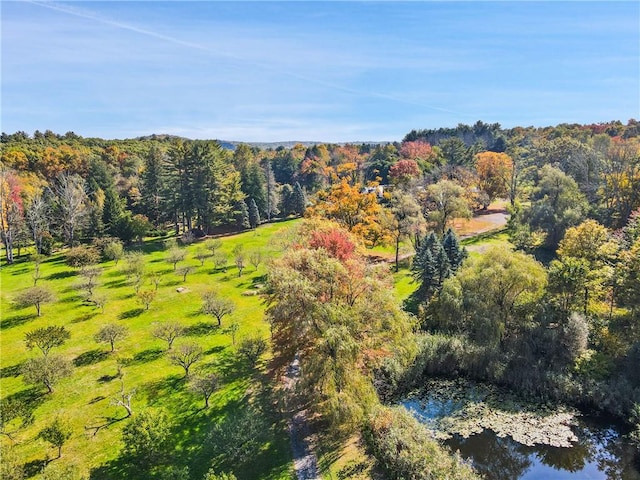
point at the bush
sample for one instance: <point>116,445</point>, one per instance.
<point>82,256</point>
<point>239,436</point>
<point>101,243</point>
<point>404,449</point>
<point>46,246</point>
<point>146,437</point>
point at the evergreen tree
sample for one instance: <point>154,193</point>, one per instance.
<point>254,214</point>
<point>271,195</point>
<point>113,209</point>
<point>253,185</point>
<point>286,200</point>
<point>153,185</point>
<point>430,267</point>
<point>242,215</point>
<point>298,200</point>
<point>95,226</point>
<point>455,253</point>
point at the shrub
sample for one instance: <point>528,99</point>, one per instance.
<point>82,256</point>
<point>405,450</point>
<point>146,437</point>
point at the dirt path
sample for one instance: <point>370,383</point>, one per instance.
<point>484,223</point>
<point>305,461</point>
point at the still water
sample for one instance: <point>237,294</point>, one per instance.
<point>600,452</point>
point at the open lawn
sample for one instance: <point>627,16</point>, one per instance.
<point>85,398</point>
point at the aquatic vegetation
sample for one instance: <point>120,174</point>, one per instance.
<point>459,407</point>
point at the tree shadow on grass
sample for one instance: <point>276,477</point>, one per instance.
<point>17,320</point>
<point>90,357</point>
<point>228,364</point>
<point>201,328</point>
<point>30,399</point>
<point>134,312</point>
<point>212,350</point>
<point>84,317</point>
<point>145,356</point>
<point>116,283</point>
<point>34,467</point>
<point>10,371</point>
<point>108,378</point>
<point>76,296</point>
<point>161,390</point>
<point>118,468</point>
<point>108,421</point>
<point>62,275</point>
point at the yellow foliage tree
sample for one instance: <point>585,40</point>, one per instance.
<point>494,173</point>
<point>357,211</point>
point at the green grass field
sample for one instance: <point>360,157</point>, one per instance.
<point>85,397</point>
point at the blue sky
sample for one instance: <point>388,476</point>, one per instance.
<point>322,71</point>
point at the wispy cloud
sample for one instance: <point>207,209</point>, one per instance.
<point>218,52</point>
<point>317,70</point>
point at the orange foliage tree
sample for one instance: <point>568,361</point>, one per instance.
<point>494,173</point>
<point>11,209</point>
<point>357,211</point>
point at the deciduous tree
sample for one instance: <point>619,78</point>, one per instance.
<point>114,251</point>
<point>11,209</point>
<point>146,297</point>
<point>56,433</point>
<point>111,333</point>
<point>357,211</point>
<point>205,385</point>
<point>495,171</point>
<point>444,202</point>
<point>146,437</point>
<point>46,338</point>
<point>71,202</point>
<point>184,270</point>
<point>492,295</point>
<point>252,348</point>
<point>213,245</point>
<point>213,304</point>
<point>35,296</point>
<point>406,219</point>
<point>185,355</point>
<point>168,331</point>
<point>46,371</point>
<point>239,257</point>
<point>176,255</point>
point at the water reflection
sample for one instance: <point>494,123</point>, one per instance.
<point>600,453</point>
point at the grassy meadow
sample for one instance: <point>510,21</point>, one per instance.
<point>85,398</point>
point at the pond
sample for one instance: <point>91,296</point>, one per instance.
<point>506,439</point>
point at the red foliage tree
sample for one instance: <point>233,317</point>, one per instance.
<point>335,242</point>
<point>403,171</point>
<point>417,150</point>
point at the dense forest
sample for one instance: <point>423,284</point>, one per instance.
<point>555,318</point>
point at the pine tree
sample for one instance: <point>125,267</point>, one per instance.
<point>271,198</point>
<point>430,266</point>
<point>286,200</point>
<point>242,215</point>
<point>112,210</point>
<point>253,185</point>
<point>455,253</point>
<point>153,185</point>
<point>298,200</point>
<point>254,214</point>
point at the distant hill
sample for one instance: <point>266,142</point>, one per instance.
<point>231,145</point>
